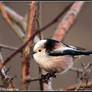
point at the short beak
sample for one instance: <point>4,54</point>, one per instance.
<point>33,52</point>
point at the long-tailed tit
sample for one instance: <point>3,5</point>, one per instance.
<point>56,56</point>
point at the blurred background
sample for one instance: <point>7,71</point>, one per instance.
<point>80,34</point>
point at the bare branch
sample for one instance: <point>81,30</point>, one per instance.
<point>7,47</point>
<point>30,79</point>
<point>76,69</point>
<point>68,21</point>
<point>3,74</point>
<point>15,16</point>
<point>26,51</point>
<point>84,75</point>
<point>73,87</point>
<point>6,80</point>
<point>18,32</point>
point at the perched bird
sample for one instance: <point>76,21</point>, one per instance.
<point>56,56</point>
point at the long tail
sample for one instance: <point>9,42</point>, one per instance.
<point>78,53</point>
<point>70,52</point>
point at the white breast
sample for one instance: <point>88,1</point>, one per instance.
<point>52,63</point>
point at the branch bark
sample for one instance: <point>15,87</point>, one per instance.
<point>26,50</point>
<point>7,47</point>
<point>67,21</point>
<point>14,27</point>
<point>15,16</point>
<point>5,78</point>
<point>66,24</point>
<point>82,85</point>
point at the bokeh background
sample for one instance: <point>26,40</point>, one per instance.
<point>80,34</point>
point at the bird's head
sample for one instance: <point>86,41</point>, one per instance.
<point>39,49</point>
<point>43,47</point>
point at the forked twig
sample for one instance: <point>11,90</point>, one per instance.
<point>15,16</point>
<point>83,75</point>
<point>17,30</point>
<point>6,80</point>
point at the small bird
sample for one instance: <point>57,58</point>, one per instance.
<point>56,56</point>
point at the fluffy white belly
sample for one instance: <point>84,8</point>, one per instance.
<point>58,64</point>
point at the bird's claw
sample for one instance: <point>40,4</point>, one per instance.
<point>53,74</point>
<point>48,76</point>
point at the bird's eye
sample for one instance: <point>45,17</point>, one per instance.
<point>39,50</point>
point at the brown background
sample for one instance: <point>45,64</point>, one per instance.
<point>80,35</point>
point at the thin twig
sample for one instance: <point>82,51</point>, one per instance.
<point>83,75</point>
<point>78,85</point>
<point>26,51</point>
<point>82,85</point>
<point>38,37</point>
<point>12,84</point>
<point>7,47</point>
<point>38,78</point>
<point>7,81</point>
<point>18,32</point>
<point>76,69</point>
<point>3,74</point>
<point>30,79</point>
<point>15,16</point>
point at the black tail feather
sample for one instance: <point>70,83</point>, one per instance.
<point>70,52</point>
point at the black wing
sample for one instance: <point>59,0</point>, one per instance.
<point>70,52</point>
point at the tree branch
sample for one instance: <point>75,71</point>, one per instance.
<point>68,21</point>
<point>7,47</point>
<point>82,85</point>
<point>16,29</point>
<point>6,80</point>
<point>26,50</point>
<point>83,75</point>
<point>15,16</point>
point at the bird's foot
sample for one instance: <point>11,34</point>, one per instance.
<point>48,76</point>
<point>53,74</point>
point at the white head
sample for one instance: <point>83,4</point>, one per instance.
<point>43,47</point>
<point>39,50</point>
<point>39,45</point>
